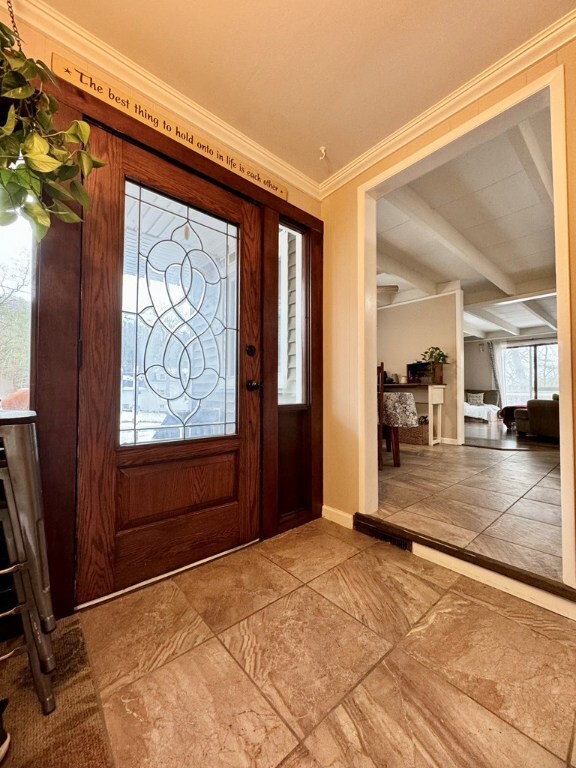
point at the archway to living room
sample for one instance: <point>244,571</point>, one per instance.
<point>469,497</point>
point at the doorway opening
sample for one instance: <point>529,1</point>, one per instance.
<point>480,215</point>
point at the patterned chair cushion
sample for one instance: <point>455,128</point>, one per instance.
<point>399,409</point>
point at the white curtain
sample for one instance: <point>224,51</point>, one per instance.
<point>498,372</point>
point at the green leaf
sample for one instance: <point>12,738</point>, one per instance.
<point>57,191</point>
<point>7,217</point>
<point>80,194</point>
<point>10,123</point>
<point>79,130</point>
<point>37,213</point>
<point>97,163</point>
<point>85,162</point>
<point>63,212</point>
<point>66,172</point>
<point>35,145</point>
<point>20,92</point>
<point>42,163</point>
<point>45,72</point>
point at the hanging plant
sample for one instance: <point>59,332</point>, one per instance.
<point>40,167</point>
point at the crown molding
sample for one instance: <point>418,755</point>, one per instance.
<point>541,45</point>
<point>90,48</point>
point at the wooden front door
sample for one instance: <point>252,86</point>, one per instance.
<point>169,405</point>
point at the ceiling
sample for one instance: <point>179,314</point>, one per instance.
<point>296,76</point>
<point>481,218</point>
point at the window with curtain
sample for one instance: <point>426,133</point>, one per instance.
<point>530,372</point>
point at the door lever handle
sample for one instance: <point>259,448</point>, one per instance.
<point>252,385</point>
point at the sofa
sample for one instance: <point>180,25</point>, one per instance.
<point>540,417</point>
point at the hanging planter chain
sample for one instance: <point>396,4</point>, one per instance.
<point>14,27</point>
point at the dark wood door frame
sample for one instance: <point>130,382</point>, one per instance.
<point>56,352</point>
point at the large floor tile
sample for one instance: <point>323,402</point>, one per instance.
<point>231,588</point>
<point>472,518</point>
<point>400,495</point>
<point>306,553</point>
<point>198,710</point>
<point>506,472</point>
<point>437,529</point>
<point>305,654</point>
<point>349,536</point>
<point>132,635</point>
<point>547,495</point>
<point>385,588</point>
<point>528,533</point>
<point>546,623</point>
<point>300,758</point>
<point>405,716</point>
<point>514,488</point>
<point>479,497</point>
<point>550,481</point>
<point>537,510</point>
<point>524,678</point>
<point>510,553</point>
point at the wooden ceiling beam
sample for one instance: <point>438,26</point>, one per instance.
<point>411,204</point>
<point>536,309</point>
<point>495,320</point>
<point>390,265</point>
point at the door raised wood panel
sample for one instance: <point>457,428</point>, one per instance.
<point>158,491</point>
<point>154,549</point>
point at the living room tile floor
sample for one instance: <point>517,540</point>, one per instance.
<point>502,504</point>
<point>363,657</point>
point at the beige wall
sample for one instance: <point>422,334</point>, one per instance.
<point>406,330</point>
<point>346,425</point>
<point>477,368</point>
<point>39,45</point>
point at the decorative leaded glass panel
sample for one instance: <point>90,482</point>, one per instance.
<point>179,321</point>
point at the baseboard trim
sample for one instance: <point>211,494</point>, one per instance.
<point>345,519</point>
<point>527,592</point>
<point>450,441</point>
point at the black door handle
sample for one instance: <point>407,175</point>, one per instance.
<point>252,385</point>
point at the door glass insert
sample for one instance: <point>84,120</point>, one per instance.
<point>179,321</point>
<point>291,321</point>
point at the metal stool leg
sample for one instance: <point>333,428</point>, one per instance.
<point>23,493</point>
<point>25,596</point>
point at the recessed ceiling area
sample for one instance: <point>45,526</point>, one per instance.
<point>483,219</point>
<point>297,76</point>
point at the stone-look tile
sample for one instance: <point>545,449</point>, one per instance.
<point>134,634</point>
<point>300,758</point>
<point>348,535</point>
<point>415,480</point>
<point>386,592</point>
<point>198,710</point>
<point>304,654</point>
<point>514,488</point>
<point>479,497</point>
<point>400,495</point>
<point>434,528</point>
<point>404,716</point>
<point>227,590</point>
<point>528,533</point>
<point>537,510</point>
<point>306,554</point>
<point>550,481</point>
<point>528,559</point>
<point>384,511</point>
<point>547,495</point>
<point>512,473</point>
<point>441,473</point>
<point>472,518</point>
<point>524,678</point>
<point>546,623</point>
<point>75,733</point>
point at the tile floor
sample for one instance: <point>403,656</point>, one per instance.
<point>324,648</point>
<point>502,504</point>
